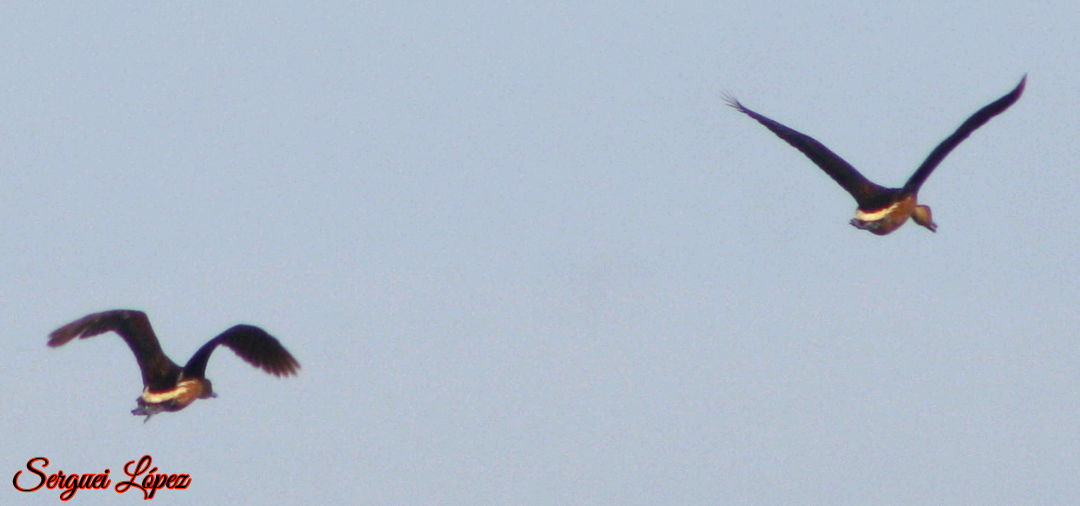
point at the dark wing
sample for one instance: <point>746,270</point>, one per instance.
<point>253,345</point>
<point>974,122</point>
<point>157,370</point>
<point>842,172</point>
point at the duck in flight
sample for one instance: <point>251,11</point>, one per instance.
<point>882,210</point>
<point>167,386</point>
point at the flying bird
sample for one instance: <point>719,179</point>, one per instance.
<point>882,210</point>
<point>167,386</point>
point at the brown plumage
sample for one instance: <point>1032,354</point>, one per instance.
<point>167,386</point>
<point>882,210</point>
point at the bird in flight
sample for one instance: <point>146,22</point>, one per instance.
<point>167,386</point>
<point>882,210</point>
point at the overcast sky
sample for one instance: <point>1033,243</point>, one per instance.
<point>526,255</point>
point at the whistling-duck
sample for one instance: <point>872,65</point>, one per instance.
<point>882,210</point>
<point>167,386</point>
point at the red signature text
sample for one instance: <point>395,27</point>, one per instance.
<point>69,482</point>
<point>73,482</point>
<point>152,482</point>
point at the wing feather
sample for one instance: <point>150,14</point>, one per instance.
<point>866,192</point>
<point>158,371</point>
<point>973,123</point>
<point>250,343</point>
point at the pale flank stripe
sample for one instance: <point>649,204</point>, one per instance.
<point>168,395</point>
<point>876,215</point>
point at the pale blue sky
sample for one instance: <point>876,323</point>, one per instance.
<point>526,255</point>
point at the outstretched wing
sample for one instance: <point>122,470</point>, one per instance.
<point>842,172</point>
<point>253,345</point>
<point>974,122</point>
<point>157,370</point>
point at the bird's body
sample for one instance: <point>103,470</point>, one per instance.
<point>167,386</point>
<point>882,210</point>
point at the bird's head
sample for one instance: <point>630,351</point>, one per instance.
<point>923,217</point>
<point>207,389</point>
